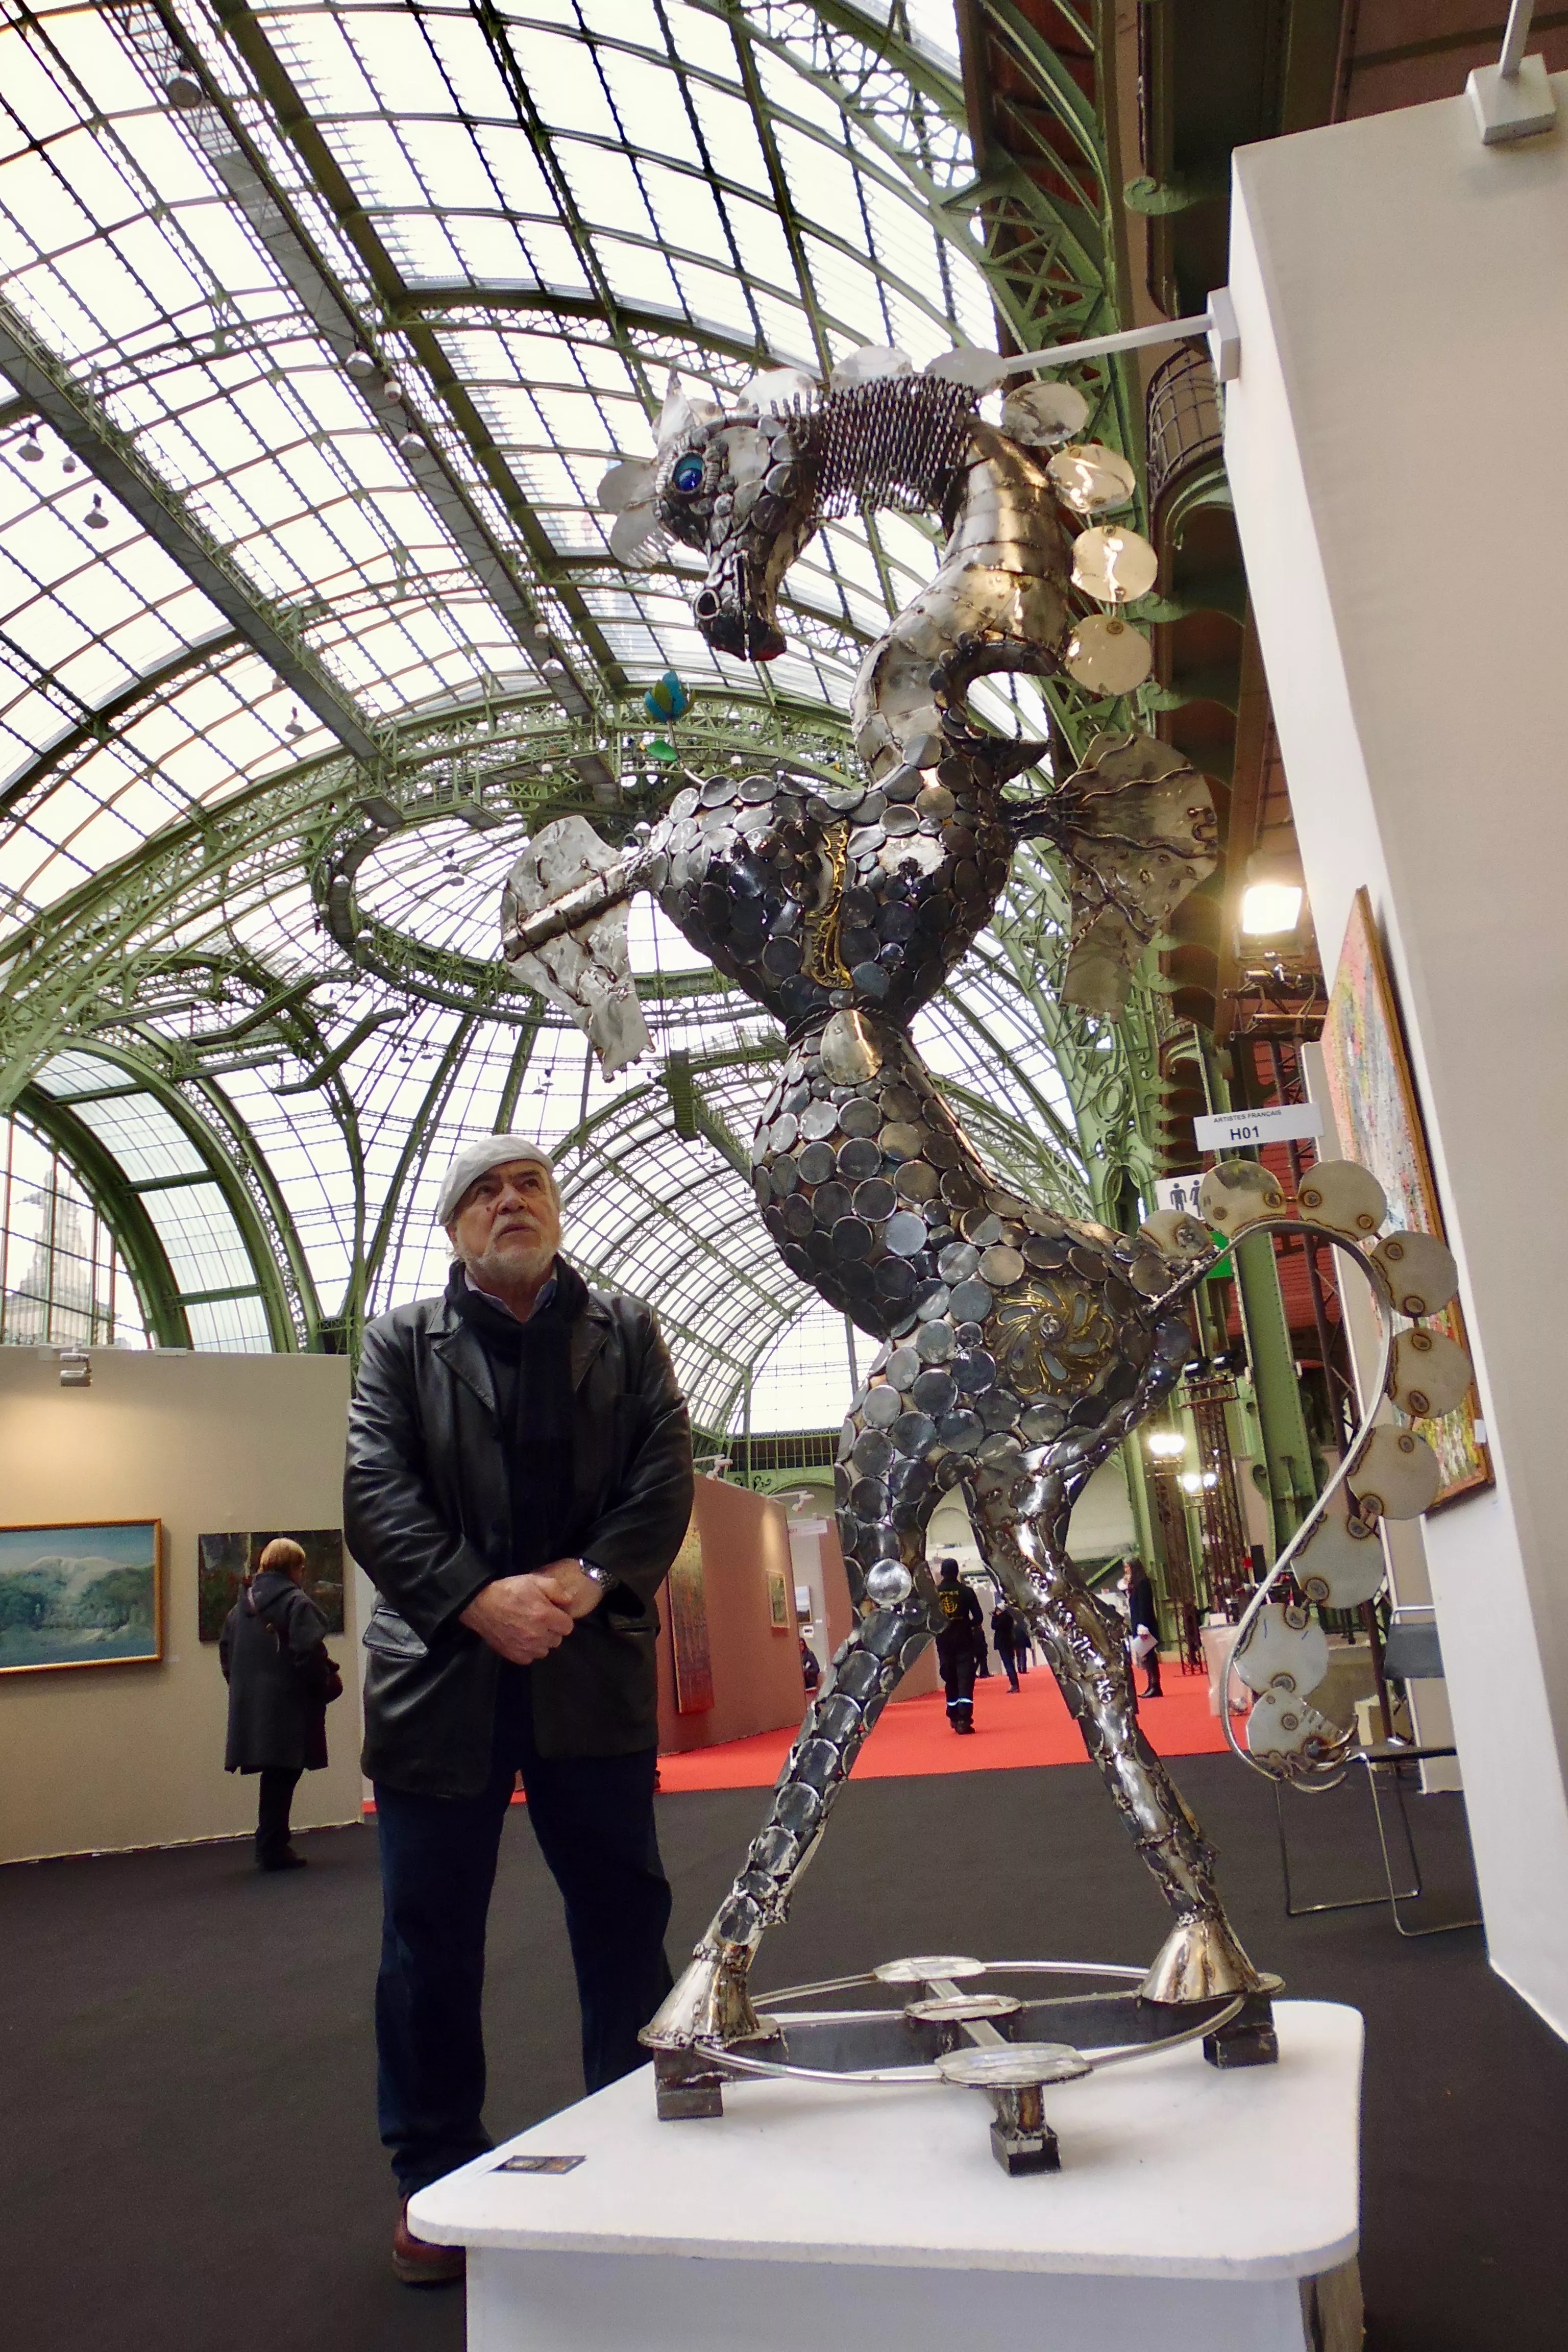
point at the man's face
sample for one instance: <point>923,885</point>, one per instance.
<point>508,1225</point>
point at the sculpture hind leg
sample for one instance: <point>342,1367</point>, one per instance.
<point>1084,1648</point>
<point>712,2002</point>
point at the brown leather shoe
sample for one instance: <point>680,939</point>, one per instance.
<point>419,2262</point>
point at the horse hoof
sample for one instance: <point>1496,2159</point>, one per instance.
<point>1199,1960</point>
<point>710,2003</point>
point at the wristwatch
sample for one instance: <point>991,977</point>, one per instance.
<point>600,1576</point>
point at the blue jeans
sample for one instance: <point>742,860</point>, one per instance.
<point>594,1818</point>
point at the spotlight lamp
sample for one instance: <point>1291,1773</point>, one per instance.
<point>1271,897</point>
<point>31,451</point>
<point>75,1368</point>
<point>1166,1445</point>
<point>96,519</point>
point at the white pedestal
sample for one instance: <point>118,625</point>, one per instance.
<point>1192,2211</point>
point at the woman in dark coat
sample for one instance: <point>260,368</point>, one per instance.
<point>279,1675</point>
<point>1143,1623</point>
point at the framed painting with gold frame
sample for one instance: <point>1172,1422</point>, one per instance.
<point>778,1601</point>
<point>1379,1121</point>
<point>86,1593</point>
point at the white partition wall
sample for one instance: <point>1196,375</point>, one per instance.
<point>1395,445</point>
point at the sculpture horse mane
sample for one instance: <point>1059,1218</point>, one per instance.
<point>1020,1346</point>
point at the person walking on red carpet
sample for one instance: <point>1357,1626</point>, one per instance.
<point>281,1678</point>
<point>1006,1627</point>
<point>963,1625</point>
<point>519,1481</point>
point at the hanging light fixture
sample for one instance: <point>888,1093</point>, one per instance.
<point>1272,896</point>
<point>31,451</point>
<point>296,726</point>
<point>95,517</point>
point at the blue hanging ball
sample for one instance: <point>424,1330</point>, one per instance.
<point>667,699</point>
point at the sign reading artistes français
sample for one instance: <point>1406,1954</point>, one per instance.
<point>1236,1131</point>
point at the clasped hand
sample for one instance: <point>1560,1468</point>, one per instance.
<point>523,1618</point>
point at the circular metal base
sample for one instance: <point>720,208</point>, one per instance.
<point>935,2039</point>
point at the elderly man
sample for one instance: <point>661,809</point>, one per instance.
<point>519,1481</point>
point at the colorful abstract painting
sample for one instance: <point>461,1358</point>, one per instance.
<point>689,1628</point>
<point>87,1595</point>
<point>1379,1122</point>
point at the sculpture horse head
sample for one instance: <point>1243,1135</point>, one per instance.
<point>747,488</point>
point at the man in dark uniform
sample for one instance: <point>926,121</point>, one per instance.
<point>962,1627</point>
<point>519,1481</point>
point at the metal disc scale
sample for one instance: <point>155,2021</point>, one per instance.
<point>1013,2044</point>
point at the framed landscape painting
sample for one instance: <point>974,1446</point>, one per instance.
<point>223,1561</point>
<point>1379,1122</point>
<point>85,1595</point>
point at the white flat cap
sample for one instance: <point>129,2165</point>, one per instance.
<point>476,1160</point>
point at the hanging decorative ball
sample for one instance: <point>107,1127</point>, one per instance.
<point>1107,656</point>
<point>1041,415</point>
<point>667,699</point>
<point>1113,564</point>
<point>1089,478</point>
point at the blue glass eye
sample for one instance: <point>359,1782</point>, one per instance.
<point>688,476</point>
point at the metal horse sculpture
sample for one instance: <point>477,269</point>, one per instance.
<point>1020,1345</point>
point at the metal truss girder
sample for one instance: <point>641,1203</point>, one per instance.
<point>112,455</point>
<point>97,725</point>
<point>426,296</point>
<point>467,526</point>
<point>58,971</point>
<point>121,1210</point>
<point>233,1163</point>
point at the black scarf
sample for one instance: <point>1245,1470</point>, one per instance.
<point>531,1364</point>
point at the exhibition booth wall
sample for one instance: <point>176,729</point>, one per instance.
<point>103,1756</point>
<point>730,1602</point>
<point>1393,450</point>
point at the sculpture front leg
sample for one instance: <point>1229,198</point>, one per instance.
<point>712,2003</point>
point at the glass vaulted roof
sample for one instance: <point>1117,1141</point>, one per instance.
<point>319,325</point>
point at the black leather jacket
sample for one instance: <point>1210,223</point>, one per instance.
<point>427,1515</point>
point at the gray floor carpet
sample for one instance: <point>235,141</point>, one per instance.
<point>188,2157</point>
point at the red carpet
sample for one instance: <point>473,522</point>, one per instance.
<point>914,1737</point>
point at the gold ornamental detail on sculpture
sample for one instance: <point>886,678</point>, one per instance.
<point>824,963</point>
<point>1054,1336</point>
